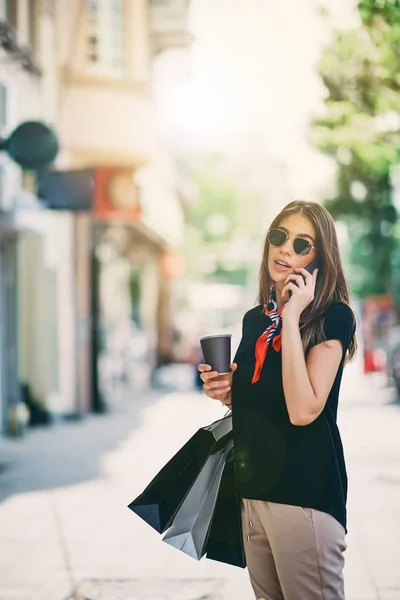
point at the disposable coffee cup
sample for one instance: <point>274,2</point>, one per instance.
<point>217,352</point>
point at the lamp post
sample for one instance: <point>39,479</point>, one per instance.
<point>33,146</point>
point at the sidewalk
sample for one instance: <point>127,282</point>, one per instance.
<point>64,521</point>
<point>369,421</point>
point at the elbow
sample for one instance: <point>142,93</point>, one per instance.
<point>300,420</point>
<point>305,411</point>
<point>309,413</point>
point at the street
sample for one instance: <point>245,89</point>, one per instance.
<point>65,525</point>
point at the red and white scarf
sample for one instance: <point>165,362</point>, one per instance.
<point>273,332</point>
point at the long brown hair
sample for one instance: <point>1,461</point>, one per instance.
<point>330,285</point>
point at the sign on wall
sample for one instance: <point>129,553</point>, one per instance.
<point>116,194</point>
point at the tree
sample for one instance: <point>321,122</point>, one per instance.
<point>360,130</point>
<point>221,225</point>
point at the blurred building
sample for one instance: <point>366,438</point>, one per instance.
<point>34,322</point>
<point>92,284</point>
<point>108,124</point>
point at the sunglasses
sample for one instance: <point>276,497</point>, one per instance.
<point>277,237</point>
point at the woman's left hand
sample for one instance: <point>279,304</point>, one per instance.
<point>302,294</point>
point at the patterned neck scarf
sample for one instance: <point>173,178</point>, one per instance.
<point>273,332</point>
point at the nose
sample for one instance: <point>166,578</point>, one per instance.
<point>287,246</point>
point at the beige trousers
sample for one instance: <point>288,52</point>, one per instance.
<point>293,553</point>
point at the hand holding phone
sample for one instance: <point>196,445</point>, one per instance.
<point>310,268</point>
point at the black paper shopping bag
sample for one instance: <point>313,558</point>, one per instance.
<point>191,525</point>
<point>162,498</point>
<point>225,538</point>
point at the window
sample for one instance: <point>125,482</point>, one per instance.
<point>106,36</point>
<point>93,30</point>
<point>33,24</point>
<point>11,13</point>
<point>117,33</point>
<point>3,108</point>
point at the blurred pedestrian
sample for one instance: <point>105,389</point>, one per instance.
<point>283,390</point>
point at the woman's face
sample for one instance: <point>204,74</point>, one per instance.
<point>295,225</point>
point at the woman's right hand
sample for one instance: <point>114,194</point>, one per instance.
<point>217,387</point>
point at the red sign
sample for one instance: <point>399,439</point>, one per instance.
<point>116,194</point>
<point>377,318</point>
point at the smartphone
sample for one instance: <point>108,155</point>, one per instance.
<point>310,268</point>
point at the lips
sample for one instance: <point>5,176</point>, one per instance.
<point>281,267</point>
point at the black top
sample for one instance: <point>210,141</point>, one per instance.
<point>277,461</point>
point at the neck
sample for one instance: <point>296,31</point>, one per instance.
<point>278,296</point>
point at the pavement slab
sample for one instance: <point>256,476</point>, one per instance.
<point>200,589</point>
<point>64,491</point>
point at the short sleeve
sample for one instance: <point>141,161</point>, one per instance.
<point>339,323</point>
<point>245,328</point>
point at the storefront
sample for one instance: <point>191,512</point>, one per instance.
<point>122,283</point>
<point>9,381</point>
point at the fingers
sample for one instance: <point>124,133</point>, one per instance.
<point>203,367</point>
<point>309,276</point>
<point>289,286</point>
<point>206,372</point>
<point>217,387</point>
<point>304,272</point>
<point>221,396</point>
<point>295,277</point>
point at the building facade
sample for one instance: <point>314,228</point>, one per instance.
<point>86,294</point>
<point>35,334</point>
<point>108,123</point>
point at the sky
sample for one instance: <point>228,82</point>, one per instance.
<point>251,75</point>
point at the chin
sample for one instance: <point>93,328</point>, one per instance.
<point>277,277</point>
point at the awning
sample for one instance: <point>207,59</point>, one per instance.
<point>10,226</point>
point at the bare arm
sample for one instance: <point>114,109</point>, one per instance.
<point>306,384</point>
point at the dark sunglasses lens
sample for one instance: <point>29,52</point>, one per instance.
<point>302,247</point>
<point>276,237</point>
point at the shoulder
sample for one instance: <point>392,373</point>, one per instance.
<point>253,314</point>
<point>339,312</point>
<point>339,322</point>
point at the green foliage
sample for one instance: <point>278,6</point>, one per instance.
<point>388,10</point>
<point>222,214</point>
<point>361,131</point>
<point>219,193</point>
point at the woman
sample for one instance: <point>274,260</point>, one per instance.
<point>283,390</point>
